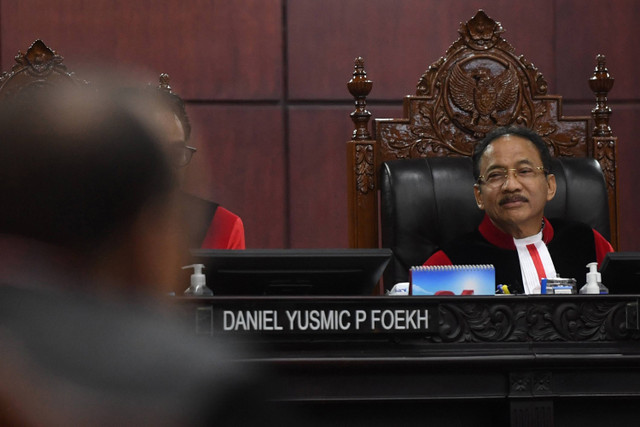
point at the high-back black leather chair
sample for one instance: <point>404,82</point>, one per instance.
<point>427,202</point>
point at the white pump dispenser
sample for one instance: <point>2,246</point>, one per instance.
<point>198,282</point>
<point>593,278</point>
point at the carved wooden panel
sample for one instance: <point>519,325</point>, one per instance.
<point>551,320</point>
<point>478,85</point>
<point>38,66</point>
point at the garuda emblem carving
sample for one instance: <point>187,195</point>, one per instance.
<point>483,96</point>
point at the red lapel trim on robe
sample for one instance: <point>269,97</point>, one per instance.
<point>499,238</point>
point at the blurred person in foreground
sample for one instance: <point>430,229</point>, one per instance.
<point>88,226</point>
<point>208,225</point>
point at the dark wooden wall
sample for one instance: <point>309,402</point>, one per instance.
<point>265,82</point>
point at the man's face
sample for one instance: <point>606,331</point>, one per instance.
<point>516,206</point>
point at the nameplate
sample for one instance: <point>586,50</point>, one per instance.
<point>316,317</point>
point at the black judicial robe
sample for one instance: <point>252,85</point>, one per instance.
<point>572,246</point>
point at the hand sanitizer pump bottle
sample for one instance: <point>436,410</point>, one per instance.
<point>593,278</point>
<point>198,282</point>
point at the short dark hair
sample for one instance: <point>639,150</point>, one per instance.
<point>77,166</point>
<point>520,131</point>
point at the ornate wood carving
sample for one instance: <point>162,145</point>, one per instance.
<point>604,143</point>
<point>605,153</point>
<point>601,83</point>
<point>365,176</point>
<point>38,66</point>
<point>478,85</point>
<point>359,86</point>
<point>530,383</point>
<point>549,320</point>
<point>361,164</point>
<point>164,84</point>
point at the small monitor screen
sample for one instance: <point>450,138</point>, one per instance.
<point>621,272</point>
<point>292,271</point>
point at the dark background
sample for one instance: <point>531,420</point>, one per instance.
<point>265,82</point>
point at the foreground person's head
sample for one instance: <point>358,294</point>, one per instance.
<point>82,171</point>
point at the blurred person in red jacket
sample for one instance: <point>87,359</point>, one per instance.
<point>209,225</point>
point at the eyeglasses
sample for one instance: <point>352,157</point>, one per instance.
<point>497,177</point>
<point>180,154</point>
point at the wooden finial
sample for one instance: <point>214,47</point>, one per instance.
<point>601,83</point>
<point>164,82</point>
<point>39,59</point>
<point>359,86</point>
